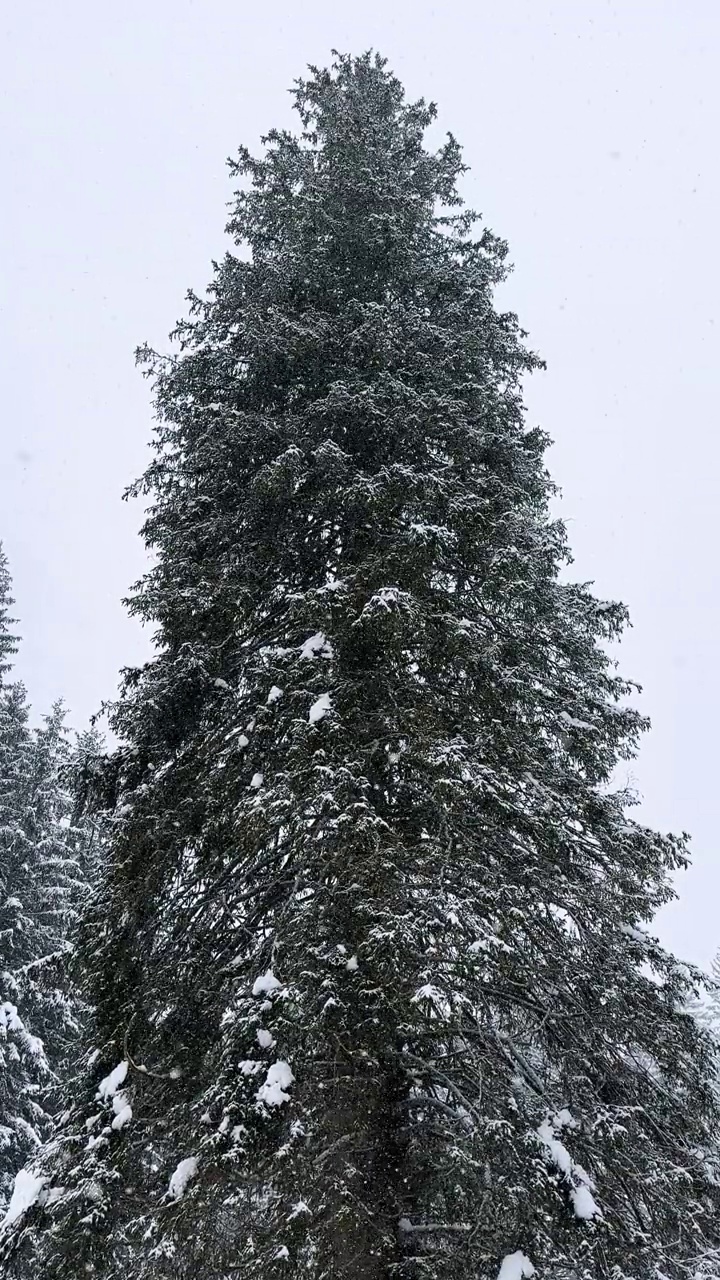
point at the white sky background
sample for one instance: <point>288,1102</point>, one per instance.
<point>591,132</point>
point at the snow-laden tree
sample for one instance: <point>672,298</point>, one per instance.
<point>707,1007</point>
<point>8,641</point>
<point>375,995</point>
<point>24,1070</point>
<point>54,852</point>
<point>42,882</point>
<point>87,819</point>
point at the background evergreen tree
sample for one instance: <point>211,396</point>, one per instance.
<point>8,642</point>
<point>88,821</point>
<point>42,881</point>
<point>707,1007</point>
<point>55,859</point>
<point>374,996</point>
<point>24,1069</point>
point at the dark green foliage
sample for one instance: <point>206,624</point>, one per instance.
<point>371,766</point>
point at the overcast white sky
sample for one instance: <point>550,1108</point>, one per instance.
<point>591,130</point>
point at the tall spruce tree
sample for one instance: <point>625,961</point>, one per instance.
<point>374,995</point>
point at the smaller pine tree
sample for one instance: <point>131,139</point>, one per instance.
<point>24,1069</point>
<point>8,642</point>
<point>46,849</point>
<point>50,882</point>
<point>707,1009</point>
